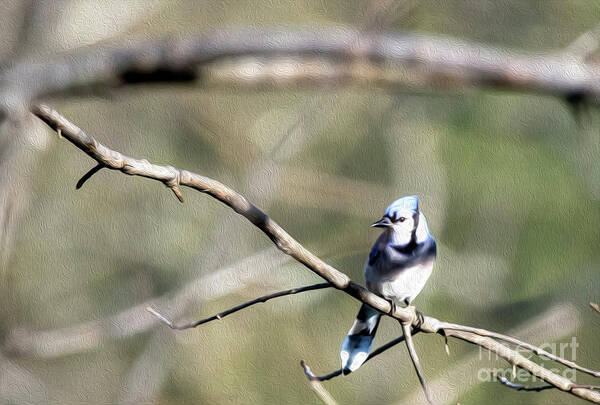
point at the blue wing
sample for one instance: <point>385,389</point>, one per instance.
<point>374,255</point>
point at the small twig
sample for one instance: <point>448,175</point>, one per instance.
<point>323,394</point>
<point>520,387</point>
<point>230,311</point>
<point>88,175</point>
<point>595,307</point>
<point>338,372</point>
<point>406,328</point>
<point>316,385</point>
<point>325,377</point>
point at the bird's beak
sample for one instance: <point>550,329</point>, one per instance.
<point>382,223</point>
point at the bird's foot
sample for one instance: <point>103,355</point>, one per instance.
<point>393,304</point>
<point>420,318</point>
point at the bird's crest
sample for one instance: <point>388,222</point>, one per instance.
<point>410,203</point>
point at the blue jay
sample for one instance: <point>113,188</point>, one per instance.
<point>399,265</point>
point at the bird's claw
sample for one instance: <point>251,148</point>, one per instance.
<point>393,304</point>
<point>420,320</point>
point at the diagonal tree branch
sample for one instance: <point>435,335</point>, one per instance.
<point>517,359</point>
<point>406,329</point>
<point>173,178</point>
<point>524,345</point>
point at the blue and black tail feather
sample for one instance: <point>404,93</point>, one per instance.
<point>358,343</point>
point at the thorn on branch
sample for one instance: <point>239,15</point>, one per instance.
<point>446,344</point>
<point>177,193</point>
<point>59,132</point>
<point>173,183</point>
<point>89,174</point>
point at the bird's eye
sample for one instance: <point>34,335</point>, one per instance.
<point>401,219</point>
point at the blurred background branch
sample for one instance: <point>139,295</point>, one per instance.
<point>336,56</point>
<point>90,335</point>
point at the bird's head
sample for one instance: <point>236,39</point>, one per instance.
<point>402,218</point>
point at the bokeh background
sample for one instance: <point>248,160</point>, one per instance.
<point>508,182</point>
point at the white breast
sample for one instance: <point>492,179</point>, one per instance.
<point>404,286</point>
